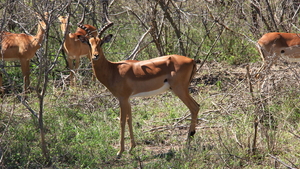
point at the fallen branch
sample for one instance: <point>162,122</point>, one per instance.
<point>283,163</point>
<point>157,128</point>
<point>163,128</point>
<point>298,137</point>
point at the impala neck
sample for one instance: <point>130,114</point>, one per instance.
<point>39,35</point>
<point>103,69</point>
<point>64,28</point>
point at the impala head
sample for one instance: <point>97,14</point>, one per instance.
<point>63,19</point>
<point>42,20</point>
<point>96,42</point>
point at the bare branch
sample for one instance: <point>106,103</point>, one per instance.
<point>135,51</point>
<point>283,163</point>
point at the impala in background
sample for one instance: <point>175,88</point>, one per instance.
<point>22,47</point>
<point>72,45</point>
<point>273,45</point>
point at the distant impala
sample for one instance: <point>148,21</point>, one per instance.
<point>273,45</point>
<point>72,45</point>
<point>22,47</point>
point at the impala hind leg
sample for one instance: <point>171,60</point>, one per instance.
<point>193,106</point>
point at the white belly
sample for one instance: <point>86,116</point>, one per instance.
<point>164,88</point>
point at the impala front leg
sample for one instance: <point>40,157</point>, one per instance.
<point>125,109</point>
<point>71,68</point>
<point>77,61</point>
<point>25,73</point>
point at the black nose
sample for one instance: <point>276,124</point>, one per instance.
<point>96,57</point>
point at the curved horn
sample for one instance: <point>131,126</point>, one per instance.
<point>108,25</point>
<point>89,32</point>
<point>105,19</point>
<point>83,15</point>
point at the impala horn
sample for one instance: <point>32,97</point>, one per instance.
<point>105,19</point>
<point>80,25</point>
<point>83,15</point>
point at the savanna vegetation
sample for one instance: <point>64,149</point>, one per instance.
<point>244,122</point>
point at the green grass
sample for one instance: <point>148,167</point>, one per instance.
<point>82,131</point>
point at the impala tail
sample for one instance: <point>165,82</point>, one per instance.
<point>194,71</point>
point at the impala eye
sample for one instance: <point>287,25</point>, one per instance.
<point>282,51</point>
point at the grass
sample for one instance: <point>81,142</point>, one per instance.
<point>82,126</point>
<point>82,129</point>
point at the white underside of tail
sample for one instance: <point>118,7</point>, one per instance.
<point>164,88</point>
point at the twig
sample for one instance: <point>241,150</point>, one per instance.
<point>135,51</point>
<point>298,137</point>
<point>209,52</point>
<point>163,128</point>
<point>255,123</point>
<point>227,28</point>
<point>177,31</point>
<point>272,15</point>
<point>4,132</point>
<point>283,163</point>
<point>137,16</point>
<point>158,128</point>
<point>181,119</point>
<point>215,42</point>
<point>249,82</point>
<point>24,102</point>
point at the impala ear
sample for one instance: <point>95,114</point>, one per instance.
<point>83,39</point>
<point>107,38</point>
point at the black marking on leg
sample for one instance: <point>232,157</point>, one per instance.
<point>282,51</point>
<point>165,81</point>
<point>191,134</point>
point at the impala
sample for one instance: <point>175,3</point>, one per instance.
<point>273,45</point>
<point>22,47</point>
<point>131,78</point>
<point>73,47</point>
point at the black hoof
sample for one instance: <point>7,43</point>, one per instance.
<point>192,133</point>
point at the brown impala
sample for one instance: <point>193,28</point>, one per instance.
<point>73,47</point>
<point>22,47</point>
<point>273,45</point>
<point>131,78</point>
